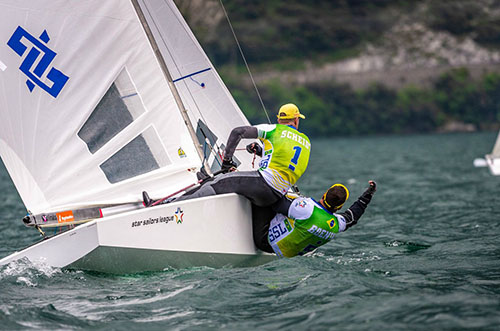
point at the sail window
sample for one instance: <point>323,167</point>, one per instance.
<point>119,107</point>
<point>211,150</point>
<point>141,155</point>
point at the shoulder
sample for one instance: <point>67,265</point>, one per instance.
<point>306,141</point>
<point>301,208</point>
<point>290,132</point>
<point>342,222</point>
<point>264,129</point>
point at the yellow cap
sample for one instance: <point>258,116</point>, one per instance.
<point>289,111</point>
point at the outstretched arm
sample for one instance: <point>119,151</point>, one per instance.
<point>236,135</point>
<point>354,212</point>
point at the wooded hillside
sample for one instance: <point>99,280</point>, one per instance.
<point>295,38</point>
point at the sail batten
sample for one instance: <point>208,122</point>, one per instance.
<point>191,75</point>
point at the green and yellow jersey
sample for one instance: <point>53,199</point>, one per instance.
<point>285,155</point>
<point>308,226</point>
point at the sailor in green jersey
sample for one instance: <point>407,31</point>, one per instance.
<point>285,155</point>
<point>310,224</point>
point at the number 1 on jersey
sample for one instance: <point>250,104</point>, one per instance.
<point>295,158</point>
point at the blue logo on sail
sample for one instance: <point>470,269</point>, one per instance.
<point>42,55</point>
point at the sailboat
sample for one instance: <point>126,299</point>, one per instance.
<point>493,159</point>
<point>100,101</point>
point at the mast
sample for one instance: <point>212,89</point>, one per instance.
<point>173,88</point>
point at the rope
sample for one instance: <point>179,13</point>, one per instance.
<point>254,155</point>
<point>40,230</point>
<point>245,60</point>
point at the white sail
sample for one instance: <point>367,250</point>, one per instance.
<point>92,113</point>
<point>493,159</point>
<point>496,149</point>
<point>87,116</point>
<point>210,106</point>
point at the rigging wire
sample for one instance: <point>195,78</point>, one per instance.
<point>245,60</point>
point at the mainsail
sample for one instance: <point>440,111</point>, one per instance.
<point>88,116</point>
<point>493,159</point>
<point>495,153</point>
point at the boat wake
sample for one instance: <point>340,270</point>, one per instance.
<point>360,258</point>
<point>407,245</point>
<point>27,273</point>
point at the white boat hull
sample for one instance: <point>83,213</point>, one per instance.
<point>213,231</point>
<point>493,164</point>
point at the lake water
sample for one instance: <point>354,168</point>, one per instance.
<point>425,256</point>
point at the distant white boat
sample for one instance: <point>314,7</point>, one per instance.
<point>99,101</point>
<point>493,159</point>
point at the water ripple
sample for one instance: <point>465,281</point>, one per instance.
<point>424,256</point>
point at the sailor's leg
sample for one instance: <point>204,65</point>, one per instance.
<point>203,191</point>
<point>282,205</point>
<point>261,219</point>
<point>249,184</point>
<point>224,182</point>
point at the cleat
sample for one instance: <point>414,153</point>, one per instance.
<point>146,200</point>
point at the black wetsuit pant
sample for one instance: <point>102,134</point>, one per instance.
<point>251,185</point>
<point>261,220</point>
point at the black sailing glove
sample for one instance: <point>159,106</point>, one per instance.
<point>366,197</point>
<point>357,209</point>
<point>254,148</point>
<point>228,166</point>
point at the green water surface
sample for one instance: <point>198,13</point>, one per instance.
<point>425,256</point>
